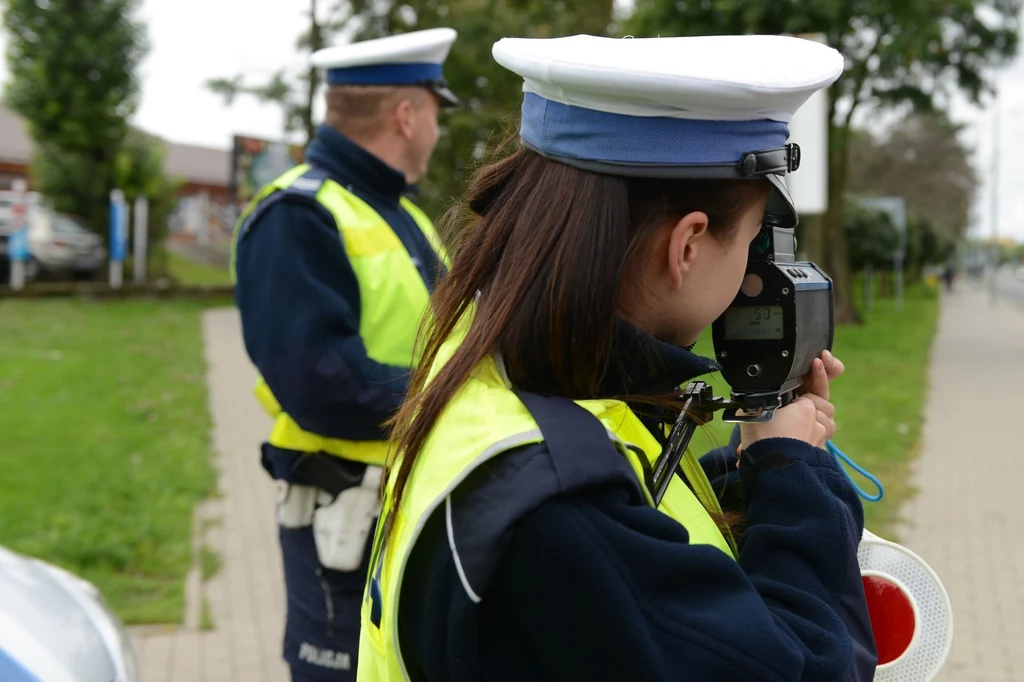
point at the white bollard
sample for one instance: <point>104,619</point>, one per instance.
<point>141,215</point>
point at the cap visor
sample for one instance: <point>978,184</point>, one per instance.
<point>447,97</point>
<point>780,203</point>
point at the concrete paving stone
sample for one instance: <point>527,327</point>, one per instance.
<point>963,522</point>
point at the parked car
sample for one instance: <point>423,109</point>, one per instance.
<point>54,626</point>
<point>61,245</point>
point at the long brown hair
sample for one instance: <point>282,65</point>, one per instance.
<point>549,247</point>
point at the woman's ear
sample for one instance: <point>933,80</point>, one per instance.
<point>683,244</point>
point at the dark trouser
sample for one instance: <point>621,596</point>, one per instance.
<point>321,639</point>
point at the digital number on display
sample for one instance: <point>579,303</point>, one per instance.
<point>754,323</point>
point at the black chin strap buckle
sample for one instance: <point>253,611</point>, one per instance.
<point>770,161</point>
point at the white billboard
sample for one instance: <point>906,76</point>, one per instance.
<point>809,129</point>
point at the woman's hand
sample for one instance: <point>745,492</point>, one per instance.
<point>799,420</point>
<point>816,388</point>
<point>817,381</point>
<point>811,417</point>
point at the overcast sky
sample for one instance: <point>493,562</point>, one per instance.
<point>194,40</point>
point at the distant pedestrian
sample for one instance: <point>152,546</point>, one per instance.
<point>948,275</point>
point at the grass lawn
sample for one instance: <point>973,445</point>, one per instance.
<point>106,444</point>
<point>879,400</point>
<point>185,271</point>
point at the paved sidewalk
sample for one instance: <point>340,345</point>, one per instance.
<point>246,597</point>
<point>965,521</point>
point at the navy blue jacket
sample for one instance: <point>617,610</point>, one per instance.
<point>594,585</point>
<point>299,298</point>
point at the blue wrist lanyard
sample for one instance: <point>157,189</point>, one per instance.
<point>860,470</point>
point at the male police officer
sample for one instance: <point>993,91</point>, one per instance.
<point>333,267</point>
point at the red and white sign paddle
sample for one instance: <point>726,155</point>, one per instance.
<point>911,616</point>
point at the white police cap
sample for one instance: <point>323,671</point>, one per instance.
<point>415,58</point>
<point>697,107</point>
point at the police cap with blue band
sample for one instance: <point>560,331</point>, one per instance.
<point>698,107</point>
<point>412,59</point>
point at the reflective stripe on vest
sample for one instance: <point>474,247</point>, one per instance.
<point>392,299</point>
<point>482,421</point>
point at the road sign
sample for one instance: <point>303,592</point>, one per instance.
<point>896,208</point>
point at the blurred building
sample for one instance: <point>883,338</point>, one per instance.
<point>208,205</point>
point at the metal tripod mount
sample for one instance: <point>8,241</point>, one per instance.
<point>699,406</point>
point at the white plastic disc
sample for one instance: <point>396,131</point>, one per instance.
<point>911,614</point>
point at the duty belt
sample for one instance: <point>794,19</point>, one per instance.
<point>319,469</point>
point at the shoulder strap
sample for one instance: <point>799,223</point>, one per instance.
<point>568,430</point>
<point>304,188</point>
<point>308,184</point>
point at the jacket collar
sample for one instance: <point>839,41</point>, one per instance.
<point>353,166</point>
<point>640,364</point>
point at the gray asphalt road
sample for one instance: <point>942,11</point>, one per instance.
<point>1010,287</point>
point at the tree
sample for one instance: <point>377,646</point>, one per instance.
<point>926,245</point>
<point>922,160</point>
<point>873,240</point>
<point>294,93</point>
<point>73,78</point>
<point>872,237</point>
<point>907,54</point>
<point>140,173</point>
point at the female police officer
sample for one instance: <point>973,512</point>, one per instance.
<point>518,539</point>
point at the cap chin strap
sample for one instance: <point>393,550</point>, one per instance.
<point>753,164</point>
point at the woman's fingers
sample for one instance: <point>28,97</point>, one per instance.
<point>825,414</point>
<point>822,405</point>
<point>820,435</point>
<point>834,367</point>
<point>816,381</point>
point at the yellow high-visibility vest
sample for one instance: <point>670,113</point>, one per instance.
<point>484,420</point>
<point>392,299</point>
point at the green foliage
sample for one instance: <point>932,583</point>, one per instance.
<point>874,239</point>
<point>492,95</point>
<point>871,235</point>
<point>911,54</point>
<point>1005,250</point>
<point>921,159</point>
<point>915,51</point>
<point>73,78</point>
<point>926,245</point>
<point>139,172</point>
